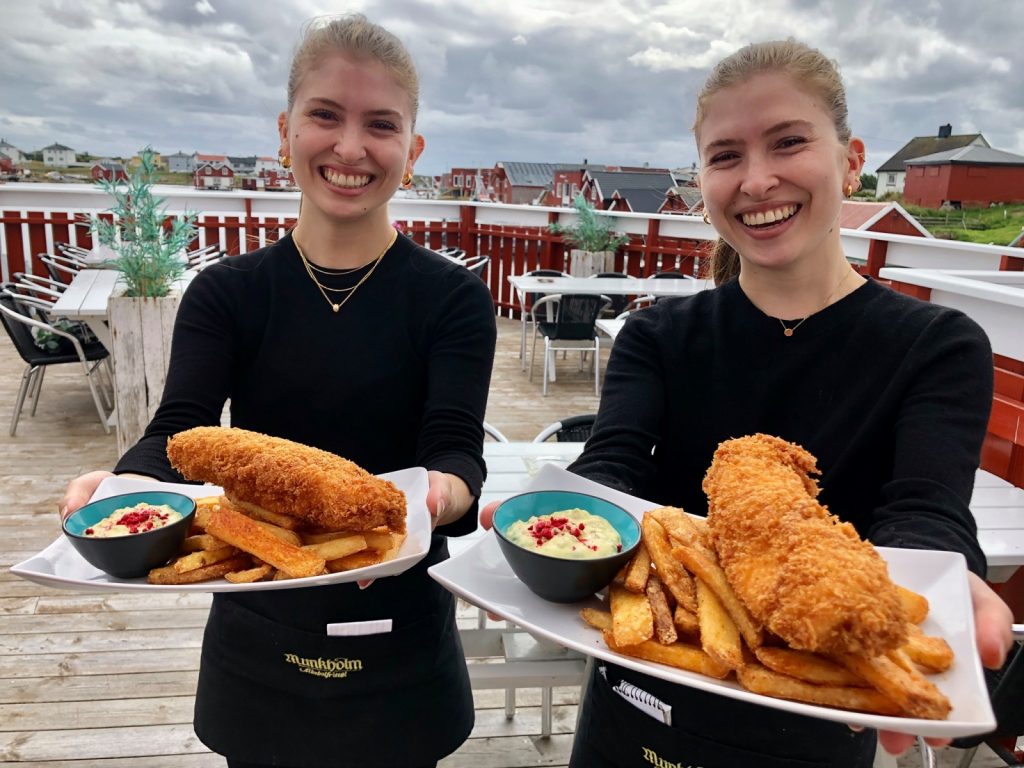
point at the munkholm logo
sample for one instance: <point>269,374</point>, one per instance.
<point>325,667</point>
<point>659,762</point>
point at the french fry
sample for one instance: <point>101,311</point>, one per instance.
<point>356,560</point>
<point>671,573</point>
<point>202,517</point>
<point>807,666</point>
<point>249,575</point>
<point>703,567</point>
<point>685,621</point>
<point>200,542</point>
<point>932,654</point>
<point>595,618</point>
<point>238,530</point>
<point>397,540</point>
<point>684,529</point>
<point>914,605</point>
<point>895,676</point>
<point>679,655</point>
<point>335,549</point>
<point>758,679</point>
<point>664,628</point>
<point>202,558</point>
<point>284,534</point>
<point>378,540</point>
<point>719,636</point>
<point>167,574</point>
<point>632,618</point>
<point>259,513</point>
<point>638,570</point>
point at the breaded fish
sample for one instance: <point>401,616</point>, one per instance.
<point>288,478</point>
<point>801,571</point>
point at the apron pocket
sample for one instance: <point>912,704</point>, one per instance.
<point>245,644</point>
<point>623,736</point>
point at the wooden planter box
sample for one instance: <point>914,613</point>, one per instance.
<point>141,330</point>
<point>587,263</point>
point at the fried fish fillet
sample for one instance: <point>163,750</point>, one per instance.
<point>288,478</point>
<point>801,571</point>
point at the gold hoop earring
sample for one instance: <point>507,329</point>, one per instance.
<point>849,190</point>
<point>407,181</point>
<point>707,219</point>
<point>285,161</point>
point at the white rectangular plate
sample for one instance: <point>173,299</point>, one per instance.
<point>481,575</point>
<point>60,565</point>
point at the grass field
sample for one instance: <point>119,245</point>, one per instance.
<point>995,226</point>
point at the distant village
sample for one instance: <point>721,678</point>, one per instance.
<point>943,170</point>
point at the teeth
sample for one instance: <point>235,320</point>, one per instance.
<point>345,180</point>
<point>761,218</point>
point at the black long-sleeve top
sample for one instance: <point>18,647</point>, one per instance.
<point>397,378</point>
<point>891,394</point>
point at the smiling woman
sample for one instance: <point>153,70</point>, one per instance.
<point>392,373</point>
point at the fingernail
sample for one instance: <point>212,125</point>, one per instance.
<point>63,511</point>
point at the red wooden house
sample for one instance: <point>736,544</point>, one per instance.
<point>109,171</point>
<point>214,175</point>
<point>969,177</point>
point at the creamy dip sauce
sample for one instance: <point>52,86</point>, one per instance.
<point>572,533</point>
<point>138,519</point>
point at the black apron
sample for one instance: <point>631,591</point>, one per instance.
<point>277,690</point>
<point>707,731</point>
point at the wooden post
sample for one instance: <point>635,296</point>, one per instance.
<point>876,256</point>
<point>467,230</point>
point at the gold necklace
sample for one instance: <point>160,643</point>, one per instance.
<point>350,291</point>
<point>788,331</point>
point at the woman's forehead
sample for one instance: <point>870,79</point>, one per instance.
<point>354,82</point>
<point>758,103</point>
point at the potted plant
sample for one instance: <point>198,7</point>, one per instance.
<point>148,248</point>
<point>594,239</point>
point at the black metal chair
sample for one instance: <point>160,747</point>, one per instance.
<point>61,268</point>
<point>493,432</point>
<point>19,318</point>
<point>619,301</point>
<point>575,429</point>
<point>477,265</point>
<point>1006,689</point>
<point>528,300</point>
<point>572,329</point>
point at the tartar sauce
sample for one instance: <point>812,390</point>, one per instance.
<point>571,533</point>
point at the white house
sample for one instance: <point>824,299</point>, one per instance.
<point>16,155</point>
<point>58,156</point>
<point>179,162</point>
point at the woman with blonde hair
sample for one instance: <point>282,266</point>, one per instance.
<point>347,336</point>
<point>889,393</point>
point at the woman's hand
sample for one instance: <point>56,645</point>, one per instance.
<point>81,489</point>
<point>448,498</point>
<point>992,622</point>
<point>487,515</point>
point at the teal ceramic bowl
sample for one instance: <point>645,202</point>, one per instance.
<point>134,555</point>
<point>554,578</point>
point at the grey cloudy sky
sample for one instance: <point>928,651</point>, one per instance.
<point>607,80</point>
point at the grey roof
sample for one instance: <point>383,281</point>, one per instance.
<point>689,194</point>
<point>645,200</point>
<point>530,174</point>
<point>5,143</point>
<point>109,165</point>
<point>59,147</point>
<point>972,155</point>
<point>927,145</point>
<point>609,181</point>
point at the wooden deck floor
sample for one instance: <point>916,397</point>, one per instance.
<point>108,680</point>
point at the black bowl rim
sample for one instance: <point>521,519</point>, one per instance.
<point>501,534</point>
<point>134,536</point>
